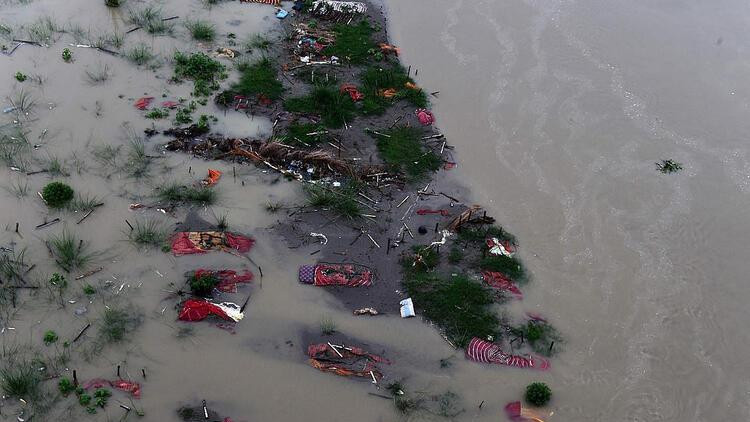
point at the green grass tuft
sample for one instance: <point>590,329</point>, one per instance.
<point>307,134</point>
<point>70,252</point>
<point>140,54</point>
<point>116,324</point>
<point>258,78</point>
<point>334,107</point>
<point>20,380</point>
<point>201,30</point>
<point>509,266</point>
<point>342,201</point>
<point>148,233</point>
<point>353,43</point>
<point>404,152</point>
<point>150,18</point>
<point>204,71</point>
<point>203,284</point>
<point>57,194</point>
<point>180,193</point>
<point>376,78</point>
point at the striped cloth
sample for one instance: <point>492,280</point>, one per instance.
<point>483,351</point>
<point>271,2</point>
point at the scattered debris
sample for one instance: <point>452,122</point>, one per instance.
<point>366,311</point>
<point>345,361</point>
<point>350,275</point>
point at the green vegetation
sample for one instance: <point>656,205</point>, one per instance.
<point>57,194</point>
<point>342,201</point>
<point>116,324</point>
<point>460,306</point>
<point>137,161</point>
<point>256,41</point>
<point>84,399</point>
<point>20,380</point>
<point>539,335</point>
<point>101,395</point>
<point>98,75</point>
<point>402,149</point>
<point>204,71</point>
<point>158,113</point>
<point>327,326</point>
<point>471,234</point>
<point>180,193</point>
<point>67,56</point>
<point>334,107</point>
<point>20,77</point>
<point>148,233</point>
<point>13,265</point>
<point>258,78</point>
<point>50,337</point>
<point>65,385</point>
<point>353,43</point>
<point>84,203</point>
<point>456,255</point>
<point>376,79</point>
<point>202,284</point>
<point>538,394</point>
<point>150,18</point>
<point>89,290</point>
<point>201,30</point>
<point>56,167</point>
<point>113,3</point>
<point>183,116</point>
<point>668,166</point>
<point>509,266</point>
<point>140,54</point>
<point>306,133</point>
<point>70,253</point>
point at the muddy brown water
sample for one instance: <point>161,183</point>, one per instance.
<point>558,111</point>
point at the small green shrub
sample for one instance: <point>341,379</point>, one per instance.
<point>158,113</point>
<point>203,284</point>
<point>57,194</point>
<point>65,385</point>
<point>50,337</point>
<point>258,78</point>
<point>20,380</point>
<point>668,166</point>
<point>204,71</point>
<point>201,30</point>
<point>538,394</point>
<point>67,56</point>
<point>20,77</point>
<point>84,399</point>
<point>89,290</point>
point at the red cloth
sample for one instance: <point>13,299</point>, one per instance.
<point>198,310</point>
<point>143,103</point>
<point>212,178</point>
<point>228,279</point>
<point>483,351</point>
<point>170,104</point>
<point>342,275</point>
<point>354,94</point>
<point>425,211</point>
<point>128,386</point>
<point>502,282</point>
<point>239,243</point>
<point>183,244</point>
<point>425,117</point>
<point>517,413</point>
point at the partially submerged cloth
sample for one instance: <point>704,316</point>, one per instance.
<point>500,247</point>
<point>350,275</point>
<point>518,413</point>
<point>228,279</point>
<point>200,309</point>
<point>483,351</point>
<point>502,282</point>
<point>128,386</point>
<point>185,243</point>
<point>345,361</point>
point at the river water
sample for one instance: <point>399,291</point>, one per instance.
<point>558,110</point>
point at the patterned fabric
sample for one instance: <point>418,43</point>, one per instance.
<point>185,243</point>
<point>483,351</point>
<point>349,275</point>
<point>271,2</point>
<point>307,274</point>
<point>345,361</point>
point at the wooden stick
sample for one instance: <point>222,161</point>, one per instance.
<point>47,224</point>
<point>79,336</point>
<point>335,350</point>
<point>373,240</point>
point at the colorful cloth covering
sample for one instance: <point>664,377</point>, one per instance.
<point>498,247</point>
<point>517,413</point>
<point>128,386</point>
<point>354,94</point>
<point>425,117</point>
<point>199,309</point>
<point>345,361</point>
<point>228,279</point>
<point>502,282</point>
<point>483,351</point>
<point>212,178</point>
<point>271,2</point>
<point>349,275</point>
<point>143,103</point>
<point>185,243</point>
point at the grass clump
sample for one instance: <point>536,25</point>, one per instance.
<point>84,203</point>
<point>158,113</point>
<point>259,78</point>
<point>148,233</point>
<point>469,234</point>
<point>256,42</point>
<point>98,75</point>
<point>57,194</point>
<point>113,3</point>
<point>70,253</point>
<point>327,326</point>
<point>334,107</point>
<point>150,18</point>
<point>201,30</point>
<point>20,77</point>
<point>668,166</point>
<point>13,265</point>
<point>204,71</point>
<point>50,337</point>
<point>376,80</point>
<point>89,290</point>
<point>509,266</point>
<point>353,43</point>
<point>67,55</point>
<point>20,380</point>
<point>116,324</point>
<point>342,201</point>
<point>140,54</point>
<point>190,194</point>
<point>456,255</point>
<point>404,152</point>
<point>137,161</point>
<point>540,336</point>
<point>307,134</point>
<point>538,394</point>
<point>203,283</point>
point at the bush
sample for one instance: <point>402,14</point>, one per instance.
<point>50,337</point>
<point>57,194</point>
<point>65,385</point>
<point>538,394</point>
<point>203,284</point>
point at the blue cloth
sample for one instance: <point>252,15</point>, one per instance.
<point>307,274</point>
<point>281,14</point>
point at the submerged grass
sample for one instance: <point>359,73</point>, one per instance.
<point>20,380</point>
<point>137,161</point>
<point>174,192</point>
<point>70,252</point>
<point>204,71</point>
<point>376,80</point>
<point>540,336</point>
<point>116,324</point>
<point>140,54</point>
<point>201,30</point>
<point>256,42</point>
<point>342,201</point>
<point>148,233</point>
<point>404,152</point>
<point>509,266</point>
<point>353,43</point>
<point>334,107</point>
<point>98,74</point>
<point>307,134</point>
<point>258,78</point>
<point>151,19</point>
<point>12,266</point>
<point>84,203</point>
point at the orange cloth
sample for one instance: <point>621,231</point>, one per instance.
<point>213,177</point>
<point>387,93</point>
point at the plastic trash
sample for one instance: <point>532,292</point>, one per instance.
<point>281,13</point>
<point>407,308</point>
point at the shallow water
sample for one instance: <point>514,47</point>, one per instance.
<point>558,111</point>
